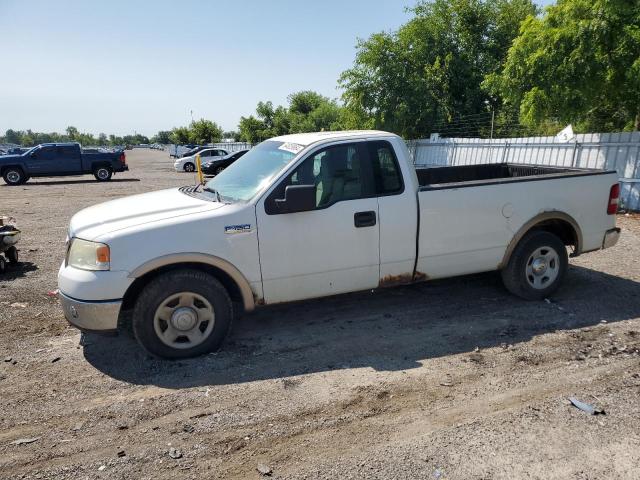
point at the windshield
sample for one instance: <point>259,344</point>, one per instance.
<point>252,172</point>
<point>30,150</point>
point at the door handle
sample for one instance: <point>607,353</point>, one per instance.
<point>364,219</point>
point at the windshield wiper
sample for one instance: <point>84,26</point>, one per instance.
<point>214,191</point>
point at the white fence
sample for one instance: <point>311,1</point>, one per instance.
<point>613,151</point>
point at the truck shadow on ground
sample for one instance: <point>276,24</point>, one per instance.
<point>77,182</point>
<point>387,330</point>
<point>18,270</point>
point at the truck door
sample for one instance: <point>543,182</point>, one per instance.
<point>333,248</point>
<point>398,215</point>
<point>68,159</point>
<point>42,161</point>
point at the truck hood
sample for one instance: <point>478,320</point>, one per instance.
<point>10,158</point>
<point>126,212</point>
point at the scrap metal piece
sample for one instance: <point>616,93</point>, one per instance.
<point>585,407</point>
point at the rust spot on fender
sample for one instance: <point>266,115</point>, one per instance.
<point>402,279</point>
<point>257,300</point>
<point>420,277</point>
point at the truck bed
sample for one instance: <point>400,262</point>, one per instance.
<point>493,173</point>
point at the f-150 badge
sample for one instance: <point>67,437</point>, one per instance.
<point>245,227</point>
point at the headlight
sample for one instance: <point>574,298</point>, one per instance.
<point>88,255</point>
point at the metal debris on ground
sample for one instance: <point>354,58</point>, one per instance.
<point>585,407</point>
<point>24,441</point>
<point>175,453</point>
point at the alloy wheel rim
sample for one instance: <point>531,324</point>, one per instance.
<point>103,173</point>
<point>184,320</point>
<point>13,176</point>
<point>543,267</point>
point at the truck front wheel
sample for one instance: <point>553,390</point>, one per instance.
<point>537,266</point>
<point>103,174</point>
<point>14,176</point>
<point>181,314</point>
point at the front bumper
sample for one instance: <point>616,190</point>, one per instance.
<point>96,316</point>
<point>611,238</point>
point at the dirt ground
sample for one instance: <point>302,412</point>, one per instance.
<point>452,379</point>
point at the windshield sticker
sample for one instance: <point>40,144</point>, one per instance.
<point>291,147</point>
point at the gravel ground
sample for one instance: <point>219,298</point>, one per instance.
<point>452,379</point>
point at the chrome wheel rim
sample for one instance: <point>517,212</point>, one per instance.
<point>103,173</point>
<point>188,167</point>
<point>13,176</point>
<point>184,320</point>
<point>543,267</point>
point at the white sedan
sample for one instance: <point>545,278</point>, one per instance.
<point>188,164</point>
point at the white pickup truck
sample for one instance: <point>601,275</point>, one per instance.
<point>318,214</point>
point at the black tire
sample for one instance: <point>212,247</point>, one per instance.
<point>146,326</point>
<point>14,176</point>
<point>3,264</point>
<point>189,167</point>
<point>12,255</point>
<point>103,174</point>
<point>523,278</point>
<point>218,170</point>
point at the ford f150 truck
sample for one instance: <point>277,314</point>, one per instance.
<point>60,159</point>
<point>318,214</point>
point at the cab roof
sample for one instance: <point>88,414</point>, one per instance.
<point>309,138</point>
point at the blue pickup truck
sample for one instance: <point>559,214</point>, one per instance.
<point>60,159</point>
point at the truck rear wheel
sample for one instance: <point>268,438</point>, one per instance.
<point>181,314</point>
<point>12,254</point>
<point>537,266</point>
<point>14,176</point>
<point>103,174</point>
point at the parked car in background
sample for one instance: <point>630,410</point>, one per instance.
<point>188,164</point>
<point>214,166</point>
<point>177,151</point>
<point>318,214</point>
<point>191,152</point>
<point>60,159</point>
<point>17,150</point>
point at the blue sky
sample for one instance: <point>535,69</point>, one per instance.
<point>123,66</point>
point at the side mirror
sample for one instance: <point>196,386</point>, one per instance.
<point>297,198</point>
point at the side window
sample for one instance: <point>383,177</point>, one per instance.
<point>386,171</point>
<point>206,153</point>
<point>65,152</point>
<point>339,173</point>
<point>47,153</point>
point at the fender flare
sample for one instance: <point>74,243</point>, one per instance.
<point>539,218</point>
<point>192,257</point>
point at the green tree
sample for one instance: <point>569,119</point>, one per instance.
<point>428,74</point>
<point>579,63</point>
<point>13,136</point>
<point>180,135</point>
<point>231,134</point>
<point>163,137</point>
<point>72,133</point>
<point>204,131</point>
